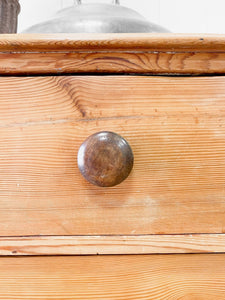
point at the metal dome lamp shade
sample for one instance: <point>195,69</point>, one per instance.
<point>96,18</point>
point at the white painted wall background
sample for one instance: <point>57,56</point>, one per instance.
<point>180,16</point>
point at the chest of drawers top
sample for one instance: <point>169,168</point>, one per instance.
<point>112,54</point>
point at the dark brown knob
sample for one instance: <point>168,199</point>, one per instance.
<point>105,159</point>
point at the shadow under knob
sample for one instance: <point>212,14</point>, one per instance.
<point>105,159</point>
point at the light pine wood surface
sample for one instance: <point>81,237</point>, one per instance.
<point>171,277</point>
<point>112,53</point>
<point>175,127</point>
<point>119,244</point>
<point>174,199</point>
<point>112,41</point>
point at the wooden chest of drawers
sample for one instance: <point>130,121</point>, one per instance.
<point>165,94</point>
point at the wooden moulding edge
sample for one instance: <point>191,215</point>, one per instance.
<point>48,54</point>
<point>113,244</point>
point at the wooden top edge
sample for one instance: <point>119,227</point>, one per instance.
<point>112,53</point>
<point>116,42</point>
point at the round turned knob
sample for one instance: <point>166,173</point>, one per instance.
<point>105,159</point>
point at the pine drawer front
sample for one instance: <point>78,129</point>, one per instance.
<point>176,129</point>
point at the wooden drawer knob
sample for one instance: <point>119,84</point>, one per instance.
<point>105,159</point>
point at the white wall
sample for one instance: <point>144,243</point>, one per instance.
<point>185,16</point>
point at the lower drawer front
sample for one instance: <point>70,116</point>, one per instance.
<point>175,126</point>
<point>188,277</point>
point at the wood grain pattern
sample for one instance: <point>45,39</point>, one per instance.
<point>159,277</point>
<point>92,245</point>
<point>116,41</point>
<point>112,53</point>
<point>175,127</point>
